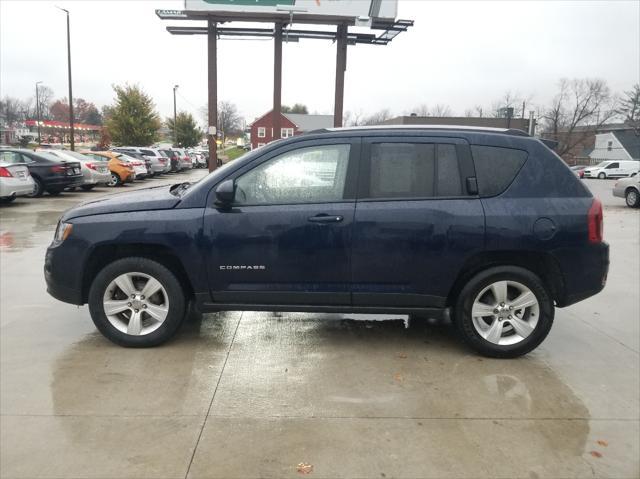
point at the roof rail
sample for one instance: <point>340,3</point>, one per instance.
<point>504,131</point>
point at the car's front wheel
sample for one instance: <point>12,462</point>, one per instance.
<point>632,198</point>
<point>504,312</point>
<point>602,176</point>
<point>137,302</point>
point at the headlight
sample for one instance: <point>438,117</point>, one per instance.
<point>62,231</point>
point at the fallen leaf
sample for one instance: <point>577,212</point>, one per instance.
<point>398,377</point>
<point>602,442</point>
<point>595,454</point>
<point>402,356</point>
<point>304,468</point>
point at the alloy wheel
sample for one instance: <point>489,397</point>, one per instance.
<point>505,313</point>
<point>136,303</point>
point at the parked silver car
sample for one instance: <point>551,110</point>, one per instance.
<point>159,162</point>
<point>15,179</point>
<point>94,172</point>
<point>629,189</point>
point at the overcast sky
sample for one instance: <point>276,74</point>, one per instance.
<point>458,53</point>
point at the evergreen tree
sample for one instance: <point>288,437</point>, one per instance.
<point>188,133</point>
<point>132,118</point>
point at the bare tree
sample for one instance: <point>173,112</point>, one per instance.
<point>579,109</point>
<point>45,99</point>
<point>11,109</point>
<point>629,107</point>
<point>352,118</point>
<point>510,100</point>
<point>441,110</point>
<point>229,120</point>
<point>377,118</point>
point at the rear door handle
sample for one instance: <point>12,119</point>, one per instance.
<point>324,218</point>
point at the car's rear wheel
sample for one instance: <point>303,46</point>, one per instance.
<point>137,302</point>
<point>115,180</point>
<point>602,176</point>
<point>632,198</point>
<point>38,188</point>
<point>504,312</point>
<point>54,192</point>
<point>88,187</point>
<point>7,199</point>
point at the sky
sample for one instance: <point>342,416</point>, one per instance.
<point>459,53</point>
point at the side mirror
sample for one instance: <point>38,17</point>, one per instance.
<point>225,193</point>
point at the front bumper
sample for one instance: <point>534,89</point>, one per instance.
<point>62,282</point>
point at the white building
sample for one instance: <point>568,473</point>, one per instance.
<point>616,145</point>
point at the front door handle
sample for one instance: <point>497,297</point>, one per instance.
<point>325,218</point>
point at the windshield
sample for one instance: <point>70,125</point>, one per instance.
<point>79,156</point>
<point>602,164</point>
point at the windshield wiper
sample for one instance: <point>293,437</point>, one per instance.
<point>178,188</point>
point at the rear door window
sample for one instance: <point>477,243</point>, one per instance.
<point>413,170</point>
<point>496,167</point>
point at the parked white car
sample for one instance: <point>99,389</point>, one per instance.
<point>15,179</point>
<point>612,169</point>
<point>139,168</point>
<point>629,189</point>
<point>94,172</point>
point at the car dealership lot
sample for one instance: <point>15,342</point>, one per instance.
<point>278,395</point>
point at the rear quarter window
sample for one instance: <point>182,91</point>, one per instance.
<point>496,167</point>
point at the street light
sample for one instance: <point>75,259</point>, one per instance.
<point>175,127</point>
<point>38,111</point>
<point>71,136</point>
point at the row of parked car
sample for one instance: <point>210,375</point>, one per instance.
<point>25,172</point>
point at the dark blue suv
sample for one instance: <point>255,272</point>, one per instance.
<point>489,227</point>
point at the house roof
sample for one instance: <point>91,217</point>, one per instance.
<point>306,122</point>
<point>630,141</point>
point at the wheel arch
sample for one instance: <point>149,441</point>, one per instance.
<point>542,264</point>
<point>102,255</point>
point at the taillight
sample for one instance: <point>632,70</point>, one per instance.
<point>91,165</point>
<point>5,173</point>
<point>58,169</point>
<point>595,221</point>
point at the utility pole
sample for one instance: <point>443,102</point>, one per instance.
<point>38,112</point>
<point>71,133</point>
<point>175,127</point>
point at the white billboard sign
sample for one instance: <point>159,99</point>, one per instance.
<point>348,9</point>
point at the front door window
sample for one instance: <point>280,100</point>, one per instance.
<point>315,174</point>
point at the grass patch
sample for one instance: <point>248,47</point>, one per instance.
<point>233,153</point>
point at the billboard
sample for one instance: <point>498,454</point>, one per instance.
<point>348,9</point>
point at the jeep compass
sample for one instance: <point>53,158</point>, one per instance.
<point>486,226</point>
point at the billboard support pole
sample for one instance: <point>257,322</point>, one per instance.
<point>277,80</point>
<point>212,86</point>
<point>341,66</point>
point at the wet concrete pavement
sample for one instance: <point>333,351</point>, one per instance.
<point>243,395</point>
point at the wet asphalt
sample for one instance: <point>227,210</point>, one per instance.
<point>248,395</point>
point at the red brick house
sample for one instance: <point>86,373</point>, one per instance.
<point>290,124</point>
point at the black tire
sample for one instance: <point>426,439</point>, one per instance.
<point>115,180</point>
<point>88,187</point>
<point>38,188</point>
<point>602,176</point>
<point>54,192</point>
<point>175,293</point>
<point>464,303</point>
<point>7,199</point>
<point>632,197</point>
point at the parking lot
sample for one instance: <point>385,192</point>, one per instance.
<point>248,395</point>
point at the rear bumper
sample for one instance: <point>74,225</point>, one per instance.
<point>16,187</point>
<point>584,272</point>
<point>62,182</point>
